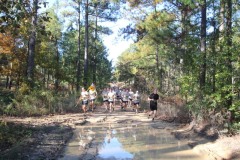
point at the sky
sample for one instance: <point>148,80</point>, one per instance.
<point>115,44</point>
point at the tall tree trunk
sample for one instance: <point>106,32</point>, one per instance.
<point>158,72</point>
<point>79,50</point>
<point>32,43</point>
<point>203,66</point>
<point>95,43</point>
<point>213,48</point>
<point>57,67</point>
<point>214,58</point>
<point>44,77</point>
<point>8,79</point>
<point>184,22</point>
<point>48,78</point>
<point>86,46</point>
<point>229,47</point>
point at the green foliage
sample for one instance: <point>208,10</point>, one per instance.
<point>39,102</point>
<point>235,127</point>
<point>5,97</point>
<point>188,86</point>
<point>235,109</point>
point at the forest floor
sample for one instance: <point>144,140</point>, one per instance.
<point>52,133</point>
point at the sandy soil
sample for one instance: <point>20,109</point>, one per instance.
<point>56,130</point>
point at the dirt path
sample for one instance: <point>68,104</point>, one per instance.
<point>54,132</point>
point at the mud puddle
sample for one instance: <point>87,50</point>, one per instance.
<point>126,142</point>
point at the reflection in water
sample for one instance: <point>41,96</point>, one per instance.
<point>114,150</point>
<point>139,142</point>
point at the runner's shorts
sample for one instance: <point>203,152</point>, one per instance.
<point>84,102</point>
<point>135,102</point>
<point>92,100</point>
<point>105,100</point>
<point>153,105</point>
<point>110,101</point>
<point>125,101</point>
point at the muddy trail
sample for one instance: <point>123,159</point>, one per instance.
<point>119,135</point>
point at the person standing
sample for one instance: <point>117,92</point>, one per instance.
<point>153,98</point>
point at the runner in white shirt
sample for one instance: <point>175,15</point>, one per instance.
<point>124,98</point>
<point>92,97</point>
<point>136,101</point>
<point>130,97</point>
<point>84,98</point>
<point>105,98</point>
<point>111,97</point>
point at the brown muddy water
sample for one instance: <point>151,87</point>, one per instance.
<point>139,141</point>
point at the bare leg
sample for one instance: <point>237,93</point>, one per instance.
<point>113,105</point>
<point>150,113</point>
<point>129,103</point>
<point>110,106</point>
<point>136,108</point>
<point>84,109</point>
<point>121,104</point>
<point>125,105</point>
<point>154,114</point>
<point>91,105</point>
<point>106,105</point>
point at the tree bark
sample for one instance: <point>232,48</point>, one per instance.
<point>57,67</point>
<point>158,71</point>
<point>86,46</point>
<point>79,51</point>
<point>32,43</point>
<point>95,43</point>
<point>229,47</point>
<point>203,66</point>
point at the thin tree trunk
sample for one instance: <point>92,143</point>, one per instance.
<point>86,45</point>
<point>214,59</point>
<point>229,52</point>
<point>57,67</point>
<point>203,47</point>
<point>79,51</point>
<point>32,43</point>
<point>48,78</point>
<point>7,82</point>
<point>44,77</point>
<point>95,43</point>
<point>214,53</point>
<point>158,72</point>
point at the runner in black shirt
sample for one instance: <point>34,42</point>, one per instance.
<point>153,98</point>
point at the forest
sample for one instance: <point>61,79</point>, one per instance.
<point>185,48</point>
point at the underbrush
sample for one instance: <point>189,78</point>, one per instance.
<point>38,103</point>
<point>6,97</point>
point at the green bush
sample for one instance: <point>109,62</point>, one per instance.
<point>39,102</point>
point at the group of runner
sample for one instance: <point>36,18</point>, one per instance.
<point>126,97</point>
<point>110,96</point>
